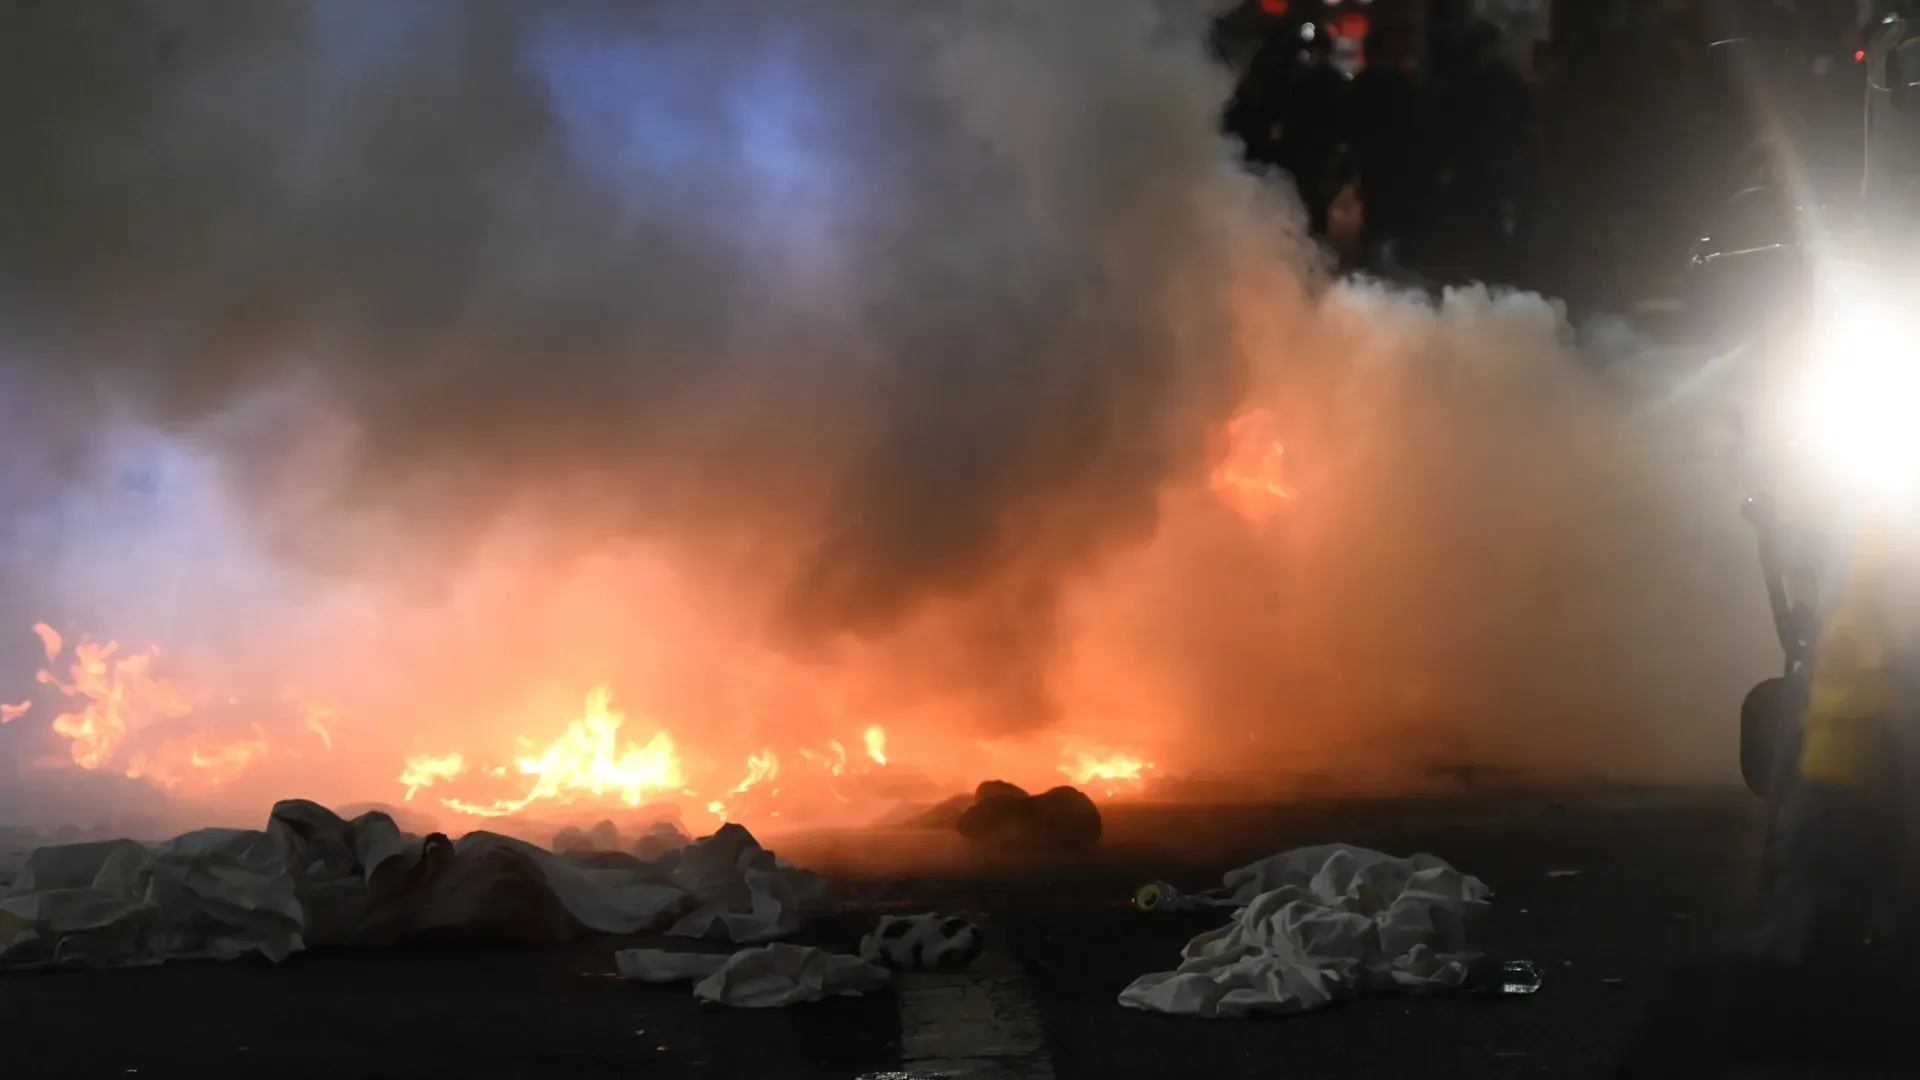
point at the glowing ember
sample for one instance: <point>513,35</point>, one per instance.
<point>10,713</point>
<point>425,770</point>
<point>121,696</point>
<point>587,758</point>
<point>1249,479</point>
<point>877,744</point>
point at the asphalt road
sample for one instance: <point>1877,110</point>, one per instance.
<point>1661,878</point>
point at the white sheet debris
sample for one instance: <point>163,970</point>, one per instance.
<point>1320,924</point>
<point>766,977</point>
<point>311,879</point>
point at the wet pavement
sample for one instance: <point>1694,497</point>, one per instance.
<point>1608,892</point>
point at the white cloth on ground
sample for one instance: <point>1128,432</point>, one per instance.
<point>1320,924</point>
<point>311,879</point>
<point>766,977</point>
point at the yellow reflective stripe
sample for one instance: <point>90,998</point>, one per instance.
<point>1854,692</point>
<point>1846,751</point>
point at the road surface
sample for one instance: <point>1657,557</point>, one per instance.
<point>1608,891</point>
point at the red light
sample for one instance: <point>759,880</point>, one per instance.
<point>1273,7</point>
<point>1859,55</point>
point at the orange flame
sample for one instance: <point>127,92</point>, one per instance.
<point>315,715</point>
<point>588,758</point>
<point>761,767</point>
<point>833,759</point>
<point>876,744</point>
<point>178,761</point>
<point>10,713</point>
<point>425,770</point>
<point>1249,479</point>
<point>1109,774</point>
<point>315,725</point>
<point>121,696</point>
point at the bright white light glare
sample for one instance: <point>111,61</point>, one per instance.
<point>1862,397</point>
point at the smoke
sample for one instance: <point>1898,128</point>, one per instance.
<point>878,305</point>
<point>890,340</point>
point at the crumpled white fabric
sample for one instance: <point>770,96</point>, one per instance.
<point>766,977</point>
<point>311,879</point>
<point>1320,924</point>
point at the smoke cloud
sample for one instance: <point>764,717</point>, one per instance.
<point>878,304</point>
<point>892,340</point>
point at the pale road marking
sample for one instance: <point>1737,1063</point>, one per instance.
<point>979,1024</point>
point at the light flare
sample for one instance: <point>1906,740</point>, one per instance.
<point>876,739</point>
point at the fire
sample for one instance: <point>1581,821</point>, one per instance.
<point>833,758</point>
<point>125,713</point>
<point>315,716</point>
<point>319,728</point>
<point>876,744</point>
<point>424,770</point>
<point>1110,773</point>
<point>761,767</point>
<point>121,696</point>
<point>588,758</point>
<point>1249,478</point>
<point>196,759</point>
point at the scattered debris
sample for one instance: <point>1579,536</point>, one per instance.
<point>311,879</point>
<point>1320,924</point>
<point>770,976</point>
<point>605,838</point>
<point>1158,896</point>
<point>923,942</point>
<point>1004,816</point>
<point>602,837</point>
<point>1508,978</point>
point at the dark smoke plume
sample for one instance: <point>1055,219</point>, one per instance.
<point>870,305</point>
